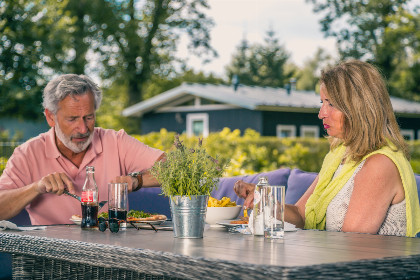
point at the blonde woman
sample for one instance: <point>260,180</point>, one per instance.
<point>366,183</point>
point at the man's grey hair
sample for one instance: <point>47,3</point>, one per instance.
<point>69,84</point>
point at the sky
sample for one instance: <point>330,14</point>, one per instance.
<point>295,24</point>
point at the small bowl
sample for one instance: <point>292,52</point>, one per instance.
<point>218,214</point>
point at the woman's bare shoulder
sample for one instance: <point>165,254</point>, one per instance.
<point>380,174</point>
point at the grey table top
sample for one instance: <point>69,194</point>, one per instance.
<point>298,249</point>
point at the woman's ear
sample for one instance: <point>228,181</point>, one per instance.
<point>50,117</point>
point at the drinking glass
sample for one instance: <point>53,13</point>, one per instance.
<point>117,202</point>
<point>273,211</point>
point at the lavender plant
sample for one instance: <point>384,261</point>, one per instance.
<point>188,171</point>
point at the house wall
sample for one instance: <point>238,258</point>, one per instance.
<point>410,123</point>
<point>271,119</point>
<point>264,122</point>
<point>218,119</point>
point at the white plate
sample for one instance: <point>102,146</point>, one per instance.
<point>226,223</point>
<point>76,221</point>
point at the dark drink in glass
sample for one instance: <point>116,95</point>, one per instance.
<point>89,216</point>
<point>119,214</point>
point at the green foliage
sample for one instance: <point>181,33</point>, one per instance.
<point>308,77</point>
<point>252,153</point>
<point>109,114</point>
<point>126,42</point>
<point>3,162</point>
<point>158,84</point>
<point>187,171</point>
<point>383,32</point>
<point>141,39</point>
<point>260,65</point>
<point>30,34</point>
<point>7,150</point>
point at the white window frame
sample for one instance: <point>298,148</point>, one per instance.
<point>408,132</point>
<point>198,117</point>
<point>309,128</point>
<point>281,127</point>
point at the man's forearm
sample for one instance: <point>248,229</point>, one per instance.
<point>13,201</point>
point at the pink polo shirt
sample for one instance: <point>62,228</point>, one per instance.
<point>112,153</point>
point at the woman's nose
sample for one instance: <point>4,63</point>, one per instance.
<point>322,113</point>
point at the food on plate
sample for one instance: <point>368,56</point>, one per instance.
<point>132,216</point>
<point>243,221</point>
<point>224,202</point>
<point>239,222</point>
<point>103,215</point>
<point>76,217</point>
<point>140,216</point>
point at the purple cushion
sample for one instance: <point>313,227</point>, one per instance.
<point>225,186</point>
<point>149,200</point>
<point>21,219</point>
<point>299,181</point>
<point>417,176</point>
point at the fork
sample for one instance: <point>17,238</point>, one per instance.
<point>101,204</point>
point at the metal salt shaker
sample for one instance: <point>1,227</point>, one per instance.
<point>257,212</point>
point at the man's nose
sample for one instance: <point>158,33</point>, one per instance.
<point>82,126</point>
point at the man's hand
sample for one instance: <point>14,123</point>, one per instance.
<point>55,183</point>
<point>132,183</point>
<point>245,190</point>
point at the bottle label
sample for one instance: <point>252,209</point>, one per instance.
<point>87,196</point>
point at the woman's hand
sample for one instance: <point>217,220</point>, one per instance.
<point>245,190</point>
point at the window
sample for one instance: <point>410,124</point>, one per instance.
<point>408,134</point>
<point>309,131</point>
<point>198,125</point>
<point>286,131</point>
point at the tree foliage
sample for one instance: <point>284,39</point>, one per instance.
<point>384,32</point>
<point>308,77</point>
<point>123,41</point>
<point>260,64</point>
<point>32,42</point>
<point>141,39</point>
<point>109,115</point>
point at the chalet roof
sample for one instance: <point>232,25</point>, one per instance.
<point>252,98</point>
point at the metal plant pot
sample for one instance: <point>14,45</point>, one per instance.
<point>188,215</point>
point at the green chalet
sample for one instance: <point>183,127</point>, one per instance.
<point>198,109</point>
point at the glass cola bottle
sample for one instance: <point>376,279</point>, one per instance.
<point>90,198</point>
<point>257,212</point>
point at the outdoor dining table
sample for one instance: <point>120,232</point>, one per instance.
<point>68,252</point>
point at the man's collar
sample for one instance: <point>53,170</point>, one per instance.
<point>51,149</point>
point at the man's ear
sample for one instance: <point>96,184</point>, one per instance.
<point>50,117</point>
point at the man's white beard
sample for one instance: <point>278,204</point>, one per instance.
<point>74,147</point>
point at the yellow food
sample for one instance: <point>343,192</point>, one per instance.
<point>224,202</point>
<point>245,213</point>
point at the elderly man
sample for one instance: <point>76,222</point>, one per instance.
<point>40,170</point>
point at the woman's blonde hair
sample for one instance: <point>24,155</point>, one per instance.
<point>358,90</point>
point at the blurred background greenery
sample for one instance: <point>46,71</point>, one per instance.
<point>129,46</point>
